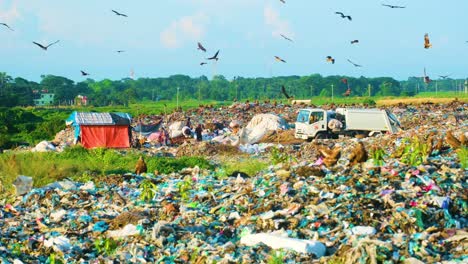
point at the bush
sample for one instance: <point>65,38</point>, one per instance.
<point>369,102</point>
<point>168,165</point>
<point>249,166</point>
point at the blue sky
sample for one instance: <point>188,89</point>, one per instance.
<point>160,38</point>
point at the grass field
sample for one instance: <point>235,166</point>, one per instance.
<point>441,97</point>
<point>150,107</point>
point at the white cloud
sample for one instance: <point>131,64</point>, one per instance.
<point>278,25</point>
<point>11,14</point>
<point>188,28</point>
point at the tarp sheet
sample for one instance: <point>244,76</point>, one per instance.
<point>146,130</point>
<point>105,136</point>
<point>77,119</point>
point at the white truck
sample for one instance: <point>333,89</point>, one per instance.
<point>322,124</point>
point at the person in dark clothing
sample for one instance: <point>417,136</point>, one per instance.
<point>189,123</point>
<point>198,132</point>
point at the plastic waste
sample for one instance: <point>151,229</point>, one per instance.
<point>128,230</point>
<point>281,241</point>
<point>60,243</point>
<point>23,184</point>
<point>362,230</point>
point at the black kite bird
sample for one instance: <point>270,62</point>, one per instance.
<point>354,41</point>
<point>119,14</point>
<point>83,73</point>
<point>215,57</point>
<point>343,16</point>
<point>393,6</point>
<point>3,24</point>
<point>45,47</point>
<point>355,65</point>
<point>286,38</point>
<point>427,43</point>
<point>279,59</point>
<point>330,59</point>
<point>200,47</point>
<point>140,166</point>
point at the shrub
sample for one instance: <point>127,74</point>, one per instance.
<point>168,165</point>
<point>463,157</point>
<point>369,102</point>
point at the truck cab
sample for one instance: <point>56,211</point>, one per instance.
<point>312,123</point>
<point>319,123</point>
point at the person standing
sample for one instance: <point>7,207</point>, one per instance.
<point>198,132</point>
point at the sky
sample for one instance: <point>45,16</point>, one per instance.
<point>160,38</point>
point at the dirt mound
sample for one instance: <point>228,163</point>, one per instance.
<point>281,136</point>
<point>205,148</point>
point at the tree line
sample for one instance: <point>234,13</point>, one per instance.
<point>21,92</point>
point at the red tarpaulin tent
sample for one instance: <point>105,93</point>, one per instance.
<point>101,129</point>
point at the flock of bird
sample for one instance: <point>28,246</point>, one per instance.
<point>46,47</point>
<point>330,59</point>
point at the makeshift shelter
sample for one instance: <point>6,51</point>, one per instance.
<point>146,130</point>
<point>110,130</point>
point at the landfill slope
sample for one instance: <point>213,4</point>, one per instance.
<point>393,198</point>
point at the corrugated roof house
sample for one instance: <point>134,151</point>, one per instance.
<point>110,130</point>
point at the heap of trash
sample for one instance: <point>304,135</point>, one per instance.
<point>326,209</point>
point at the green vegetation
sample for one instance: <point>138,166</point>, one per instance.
<point>184,188</point>
<point>106,246</point>
<point>29,126</point>
<point>463,157</point>
<point>249,166</point>
<point>415,152</point>
<point>81,164</point>
<point>169,165</point>
<point>276,257</point>
<point>148,190</point>
<point>377,155</point>
<point>54,259</point>
<point>21,92</point>
<point>277,156</point>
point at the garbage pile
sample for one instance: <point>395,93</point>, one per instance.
<point>335,207</point>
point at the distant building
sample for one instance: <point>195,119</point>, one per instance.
<point>44,99</point>
<point>81,100</point>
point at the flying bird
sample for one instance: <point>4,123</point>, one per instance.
<point>355,65</point>
<point>3,24</point>
<point>203,63</point>
<point>427,43</point>
<point>330,59</point>
<point>354,41</point>
<point>45,47</point>
<point>120,51</point>
<point>283,90</point>
<point>426,78</point>
<point>119,14</point>
<point>393,6</point>
<point>444,76</point>
<point>282,1</point>
<point>83,73</point>
<point>343,16</point>
<point>215,57</point>
<point>286,38</point>
<point>279,59</point>
<point>200,47</point>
